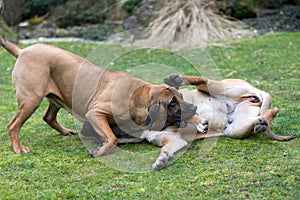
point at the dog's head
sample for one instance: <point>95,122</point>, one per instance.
<point>167,108</point>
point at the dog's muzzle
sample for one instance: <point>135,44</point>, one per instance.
<point>180,119</point>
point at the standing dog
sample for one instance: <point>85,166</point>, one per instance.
<point>93,94</point>
<point>232,107</point>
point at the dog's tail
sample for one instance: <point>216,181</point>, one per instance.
<point>12,48</point>
<point>273,136</point>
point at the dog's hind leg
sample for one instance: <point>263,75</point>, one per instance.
<point>25,109</point>
<point>262,125</point>
<point>263,121</point>
<point>244,127</point>
<point>50,119</point>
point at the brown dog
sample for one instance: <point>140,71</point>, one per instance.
<point>232,107</point>
<point>101,97</point>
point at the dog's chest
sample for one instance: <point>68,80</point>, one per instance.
<point>208,107</point>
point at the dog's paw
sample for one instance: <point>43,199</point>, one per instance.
<point>261,125</point>
<point>21,149</point>
<point>202,126</point>
<point>72,132</point>
<point>105,149</point>
<point>66,132</point>
<point>162,160</point>
<point>174,80</point>
<point>94,152</point>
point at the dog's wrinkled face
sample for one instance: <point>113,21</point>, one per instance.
<point>168,108</point>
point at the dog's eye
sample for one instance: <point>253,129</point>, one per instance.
<point>255,99</point>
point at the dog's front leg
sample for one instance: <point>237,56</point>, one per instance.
<point>200,123</point>
<point>101,126</point>
<point>177,80</point>
<point>171,143</point>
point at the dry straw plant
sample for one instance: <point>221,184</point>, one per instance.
<point>192,22</point>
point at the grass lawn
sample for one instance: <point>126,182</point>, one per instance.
<point>57,167</point>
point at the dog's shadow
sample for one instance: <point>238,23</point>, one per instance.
<point>91,139</point>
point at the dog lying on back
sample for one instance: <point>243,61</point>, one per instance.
<point>231,107</point>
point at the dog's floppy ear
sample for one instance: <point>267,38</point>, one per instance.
<point>152,115</point>
<point>156,117</point>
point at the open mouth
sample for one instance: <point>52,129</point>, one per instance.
<point>178,122</point>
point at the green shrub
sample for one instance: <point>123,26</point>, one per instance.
<point>77,13</point>
<point>98,32</point>
<point>273,3</point>
<point>39,7</point>
<point>243,9</point>
<point>130,5</point>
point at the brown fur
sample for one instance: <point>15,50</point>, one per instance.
<point>94,94</point>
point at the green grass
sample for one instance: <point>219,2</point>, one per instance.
<point>57,167</point>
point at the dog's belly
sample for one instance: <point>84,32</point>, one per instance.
<point>208,107</point>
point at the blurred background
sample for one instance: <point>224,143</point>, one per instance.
<point>98,19</point>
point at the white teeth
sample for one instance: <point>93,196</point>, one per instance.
<point>183,124</point>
